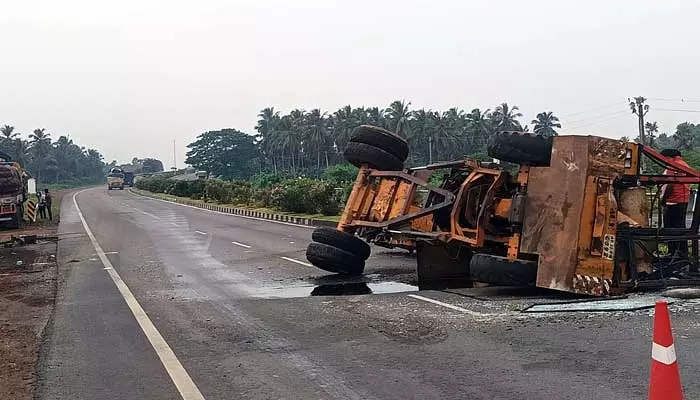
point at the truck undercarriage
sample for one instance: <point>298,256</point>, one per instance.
<point>573,214</point>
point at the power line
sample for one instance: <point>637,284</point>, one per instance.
<point>593,117</point>
<point>590,110</point>
<point>594,120</point>
<point>592,123</point>
<point>675,100</point>
<point>677,110</point>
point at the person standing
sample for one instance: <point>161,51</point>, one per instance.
<point>675,197</point>
<point>49,201</point>
<point>41,205</point>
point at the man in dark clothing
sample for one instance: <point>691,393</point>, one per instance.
<point>49,201</point>
<point>675,197</point>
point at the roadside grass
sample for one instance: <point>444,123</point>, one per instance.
<point>332,218</point>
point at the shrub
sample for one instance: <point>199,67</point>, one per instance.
<point>340,174</point>
<point>305,195</point>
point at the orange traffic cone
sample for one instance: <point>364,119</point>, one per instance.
<point>665,380</point>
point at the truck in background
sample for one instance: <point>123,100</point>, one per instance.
<point>115,179</point>
<point>13,192</point>
<point>128,178</point>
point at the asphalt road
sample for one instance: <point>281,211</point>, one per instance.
<point>245,318</point>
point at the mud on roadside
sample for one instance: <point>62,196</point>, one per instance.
<point>28,276</point>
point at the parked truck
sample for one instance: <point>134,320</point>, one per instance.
<point>573,214</point>
<point>13,192</point>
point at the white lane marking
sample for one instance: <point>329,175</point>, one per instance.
<point>450,306</point>
<point>182,380</point>
<point>150,215</point>
<point>111,252</point>
<point>201,233</point>
<point>241,244</point>
<point>297,261</point>
<point>230,215</point>
<point>663,354</point>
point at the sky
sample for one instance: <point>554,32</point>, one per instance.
<point>129,77</point>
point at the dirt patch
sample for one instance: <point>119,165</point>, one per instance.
<point>27,298</point>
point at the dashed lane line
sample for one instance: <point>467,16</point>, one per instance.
<point>297,261</point>
<point>182,380</point>
<point>450,306</point>
<point>201,233</point>
<point>241,245</point>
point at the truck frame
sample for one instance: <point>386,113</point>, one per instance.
<point>573,214</point>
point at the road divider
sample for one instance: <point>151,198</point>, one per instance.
<point>242,212</point>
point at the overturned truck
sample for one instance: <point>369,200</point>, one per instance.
<point>575,213</point>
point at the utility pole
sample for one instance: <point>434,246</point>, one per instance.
<point>430,149</point>
<point>640,109</point>
<point>174,156</point>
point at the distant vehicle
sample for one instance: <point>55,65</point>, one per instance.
<point>128,179</point>
<point>13,192</point>
<point>115,180</point>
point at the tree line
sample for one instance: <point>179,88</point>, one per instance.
<point>307,142</point>
<point>60,161</point>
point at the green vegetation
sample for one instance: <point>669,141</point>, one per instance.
<point>50,162</point>
<point>301,195</point>
<point>307,143</point>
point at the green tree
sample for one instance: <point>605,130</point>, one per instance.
<point>686,135</point>
<point>505,118</point>
<point>399,115</point>
<point>545,122</point>
<point>651,128</point>
<point>227,153</point>
<point>40,142</point>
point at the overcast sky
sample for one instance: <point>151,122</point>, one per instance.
<point>129,76</point>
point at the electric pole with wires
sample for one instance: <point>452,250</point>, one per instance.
<point>640,109</point>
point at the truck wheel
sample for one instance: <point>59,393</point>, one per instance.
<point>360,153</point>
<point>501,271</point>
<point>521,148</point>
<point>383,139</point>
<point>333,259</point>
<point>344,241</point>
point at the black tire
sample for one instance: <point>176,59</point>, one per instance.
<point>333,259</point>
<point>501,271</point>
<point>360,153</point>
<point>383,139</point>
<point>344,241</point>
<point>521,148</point>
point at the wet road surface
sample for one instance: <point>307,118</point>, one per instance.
<point>245,317</point>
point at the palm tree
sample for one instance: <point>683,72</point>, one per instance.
<point>505,117</point>
<point>40,142</point>
<point>316,134</point>
<point>398,113</point>
<point>8,132</point>
<point>480,128</point>
<point>344,123</point>
<point>268,128</point>
<point>545,123</point>
<point>651,128</point>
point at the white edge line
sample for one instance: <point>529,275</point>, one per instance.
<point>450,306</point>
<point>201,233</point>
<point>241,244</point>
<point>230,215</point>
<point>182,380</point>
<point>297,261</point>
